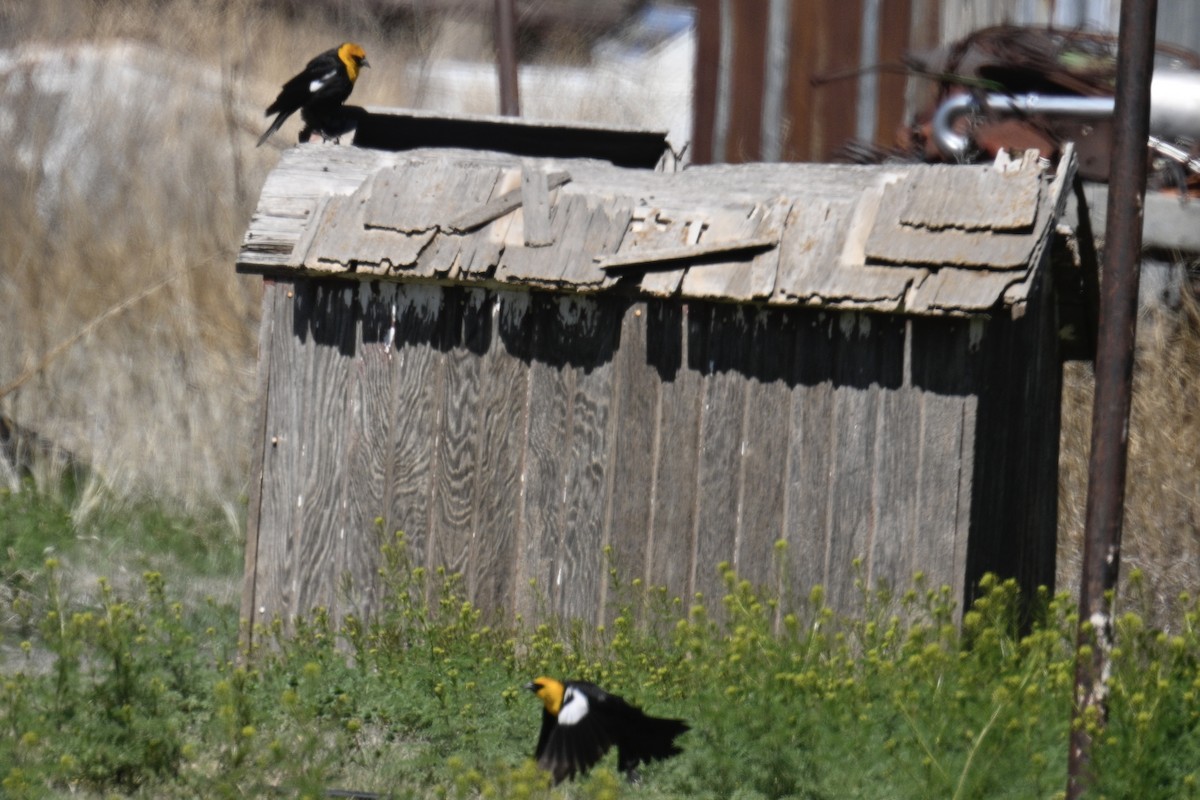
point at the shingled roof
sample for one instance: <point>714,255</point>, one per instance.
<point>906,238</point>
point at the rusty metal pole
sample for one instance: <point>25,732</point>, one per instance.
<point>1114,383</point>
<point>506,57</point>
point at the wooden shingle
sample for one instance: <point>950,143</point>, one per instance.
<point>541,369</point>
<point>911,238</point>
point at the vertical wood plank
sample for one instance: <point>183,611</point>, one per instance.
<point>895,493</point>
<point>724,396</point>
<point>939,361</point>
<point>958,553</point>
<point>325,419</point>
<point>258,462</point>
<point>547,440</point>
<point>278,515</point>
<point>996,465</point>
<point>588,332</point>
<point>416,381</point>
<point>810,458</point>
<point>851,522</point>
<point>939,549</point>
<point>766,432</point>
<point>460,336</point>
<point>502,427</point>
<point>1045,374</point>
<point>670,338</point>
<point>372,416</point>
<point>635,389</point>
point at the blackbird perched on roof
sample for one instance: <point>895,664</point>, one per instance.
<point>318,93</point>
<point>581,721</point>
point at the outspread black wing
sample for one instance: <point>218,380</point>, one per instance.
<point>568,750</point>
<point>639,737</point>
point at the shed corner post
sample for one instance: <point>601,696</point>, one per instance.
<point>247,616</point>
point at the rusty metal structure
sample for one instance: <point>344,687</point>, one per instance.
<point>1114,381</point>
<point>781,80</point>
<point>506,57</point>
<point>757,61</point>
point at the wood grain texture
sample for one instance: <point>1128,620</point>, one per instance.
<point>896,476</point>
<point>392,204</point>
<point>502,429</point>
<point>279,527</point>
<point>462,336</point>
<point>851,521</point>
<point>669,345</point>
<point>514,435</point>
<point>547,442</point>
<point>724,331</point>
<point>416,387</point>
<point>766,430</point>
<point>325,318</point>
<point>259,456</point>
<point>954,559</point>
<point>810,455</point>
<point>535,206</point>
<point>588,337</point>
<point>420,196</point>
<point>939,352</point>
<point>746,275</point>
<point>371,416</point>
<point>635,440</point>
<point>567,221</point>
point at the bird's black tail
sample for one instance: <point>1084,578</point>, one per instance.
<point>279,120</point>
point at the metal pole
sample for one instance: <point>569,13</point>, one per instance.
<point>506,57</point>
<point>1114,384</point>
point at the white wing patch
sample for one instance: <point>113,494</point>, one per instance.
<point>319,82</point>
<point>574,707</point>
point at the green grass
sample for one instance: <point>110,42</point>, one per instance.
<point>148,695</point>
<point>115,533</point>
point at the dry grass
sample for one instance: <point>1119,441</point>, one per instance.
<point>128,208</point>
<point>130,342</point>
<point>1162,513</point>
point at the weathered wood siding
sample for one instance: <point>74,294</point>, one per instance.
<point>514,436</point>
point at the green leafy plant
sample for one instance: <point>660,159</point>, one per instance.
<point>786,697</point>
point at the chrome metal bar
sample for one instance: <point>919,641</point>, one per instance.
<point>955,145</point>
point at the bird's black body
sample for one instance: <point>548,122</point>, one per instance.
<point>581,721</point>
<point>318,93</point>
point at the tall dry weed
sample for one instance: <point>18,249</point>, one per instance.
<point>129,341</point>
<point>1162,498</point>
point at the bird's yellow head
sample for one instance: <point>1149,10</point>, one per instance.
<point>550,692</point>
<point>354,57</point>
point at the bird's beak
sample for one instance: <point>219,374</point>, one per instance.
<point>533,687</point>
<point>365,63</point>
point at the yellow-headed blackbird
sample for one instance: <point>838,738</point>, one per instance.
<point>318,92</point>
<point>581,721</point>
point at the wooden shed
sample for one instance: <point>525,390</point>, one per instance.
<point>523,362</point>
